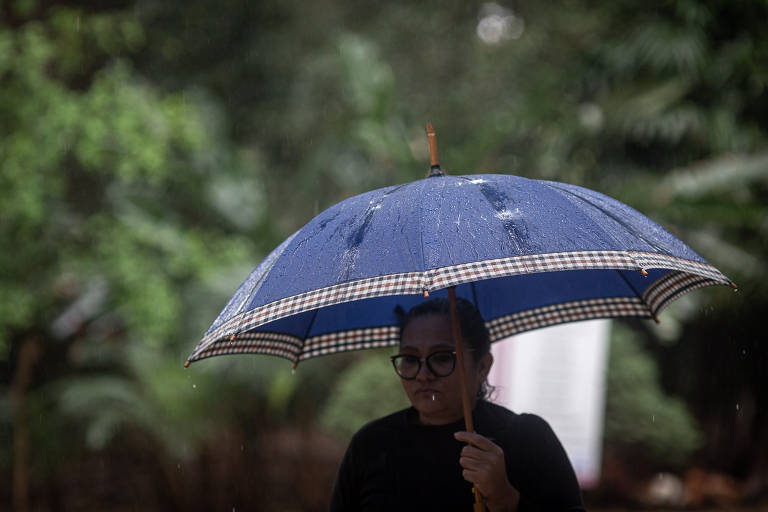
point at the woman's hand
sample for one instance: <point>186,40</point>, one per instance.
<point>483,463</point>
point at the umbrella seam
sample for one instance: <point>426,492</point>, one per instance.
<point>569,195</point>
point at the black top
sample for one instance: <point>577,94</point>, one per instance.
<point>395,463</point>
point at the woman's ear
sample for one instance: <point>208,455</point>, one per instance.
<point>485,364</point>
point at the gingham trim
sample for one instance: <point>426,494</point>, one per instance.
<point>417,282</point>
<point>648,260</point>
<point>393,284</point>
<point>291,347</point>
<point>671,286</point>
<point>270,343</point>
<point>355,339</point>
<point>503,267</point>
<point>607,307</point>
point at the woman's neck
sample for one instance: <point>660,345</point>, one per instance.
<point>444,418</point>
<point>437,419</point>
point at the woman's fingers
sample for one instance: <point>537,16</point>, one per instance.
<point>483,465</point>
<point>470,453</point>
<point>480,451</point>
<point>472,476</point>
<point>482,461</point>
<point>472,458</point>
<point>476,440</point>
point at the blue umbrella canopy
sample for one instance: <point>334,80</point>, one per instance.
<point>528,253</point>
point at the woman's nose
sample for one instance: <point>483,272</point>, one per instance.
<point>425,373</point>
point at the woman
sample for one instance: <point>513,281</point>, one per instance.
<point>420,458</point>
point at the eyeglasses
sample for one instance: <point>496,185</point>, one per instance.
<point>440,363</point>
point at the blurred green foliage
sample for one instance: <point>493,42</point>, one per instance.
<point>102,179</point>
<point>152,152</point>
<point>368,389</point>
<point>640,418</point>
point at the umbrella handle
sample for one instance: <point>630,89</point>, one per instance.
<point>434,163</point>
<point>479,505</point>
<point>459,344</point>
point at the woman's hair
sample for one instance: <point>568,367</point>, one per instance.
<point>473,331</point>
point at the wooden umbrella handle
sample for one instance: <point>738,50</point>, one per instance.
<point>465,401</point>
<point>434,162</point>
<point>432,141</point>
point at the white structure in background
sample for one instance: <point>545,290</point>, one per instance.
<point>558,373</point>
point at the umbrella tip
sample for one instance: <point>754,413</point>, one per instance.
<point>735,287</point>
<point>642,271</point>
<point>426,294</point>
<point>186,365</point>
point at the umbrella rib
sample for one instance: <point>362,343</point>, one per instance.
<point>474,294</point>
<point>306,333</point>
<point>634,290</point>
<point>570,195</point>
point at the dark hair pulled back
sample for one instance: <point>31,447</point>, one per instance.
<point>473,330</point>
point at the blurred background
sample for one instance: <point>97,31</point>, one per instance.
<point>152,152</point>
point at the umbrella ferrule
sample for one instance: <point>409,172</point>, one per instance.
<point>435,170</point>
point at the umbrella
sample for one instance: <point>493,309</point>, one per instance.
<point>528,253</point>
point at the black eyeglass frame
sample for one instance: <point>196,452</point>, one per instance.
<point>423,360</point>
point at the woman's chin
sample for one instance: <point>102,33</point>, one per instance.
<point>436,411</point>
<point>428,401</point>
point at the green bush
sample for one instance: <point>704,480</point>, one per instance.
<point>639,416</point>
<point>368,389</point>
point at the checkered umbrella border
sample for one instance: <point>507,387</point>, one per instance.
<point>235,336</point>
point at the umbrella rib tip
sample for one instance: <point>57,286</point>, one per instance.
<point>186,365</point>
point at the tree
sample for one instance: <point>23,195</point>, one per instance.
<point>150,152</point>
<point>115,210</point>
<point>658,105</point>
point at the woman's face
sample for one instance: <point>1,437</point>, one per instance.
<point>438,399</point>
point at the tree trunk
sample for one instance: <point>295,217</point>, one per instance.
<point>29,353</point>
